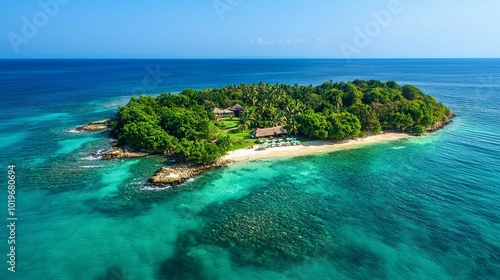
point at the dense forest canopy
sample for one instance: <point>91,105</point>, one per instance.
<point>184,124</point>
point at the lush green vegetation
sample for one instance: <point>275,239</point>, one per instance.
<point>241,139</point>
<point>184,124</point>
<point>228,123</point>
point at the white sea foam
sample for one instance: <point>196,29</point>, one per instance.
<point>95,156</point>
<point>91,158</point>
<point>73,130</point>
<point>189,181</point>
<point>137,183</point>
<point>148,188</point>
<point>398,148</point>
<point>91,166</point>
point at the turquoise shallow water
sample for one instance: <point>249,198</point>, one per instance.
<point>420,208</point>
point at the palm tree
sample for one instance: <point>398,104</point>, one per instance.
<point>251,117</point>
<point>293,127</point>
<point>244,123</point>
<point>274,121</point>
<point>282,118</point>
<point>289,109</point>
<point>338,101</point>
<point>277,118</point>
<point>294,107</point>
<point>278,96</point>
<point>265,109</point>
<point>254,101</point>
<point>251,93</point>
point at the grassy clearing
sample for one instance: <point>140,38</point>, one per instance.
<point>228,123</point>
<point>241,139</point>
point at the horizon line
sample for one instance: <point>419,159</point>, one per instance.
<point>242,58</point>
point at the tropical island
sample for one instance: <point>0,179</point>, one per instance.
<point>192,127</point>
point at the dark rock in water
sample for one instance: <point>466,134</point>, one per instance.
<point>97,155</point>
<point>180,173</point>
<point>113,273</point>
<point>183,264</point>
<point>182,267</point>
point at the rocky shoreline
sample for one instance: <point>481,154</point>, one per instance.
<point>171,176</point>
<point>178,174</point>
<point>125,152</point>
<point>167,176</point>
<point>94,126</point>
<point>439,125</point>
<point>115,152</point>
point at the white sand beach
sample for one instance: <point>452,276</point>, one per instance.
<point>310,147</point>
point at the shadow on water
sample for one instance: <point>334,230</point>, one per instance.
<point>112,273</point>
<point>182,265</point>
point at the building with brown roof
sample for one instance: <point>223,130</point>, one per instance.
<point>222,113</point>
<point>237,109</point>
<point>269,132</point>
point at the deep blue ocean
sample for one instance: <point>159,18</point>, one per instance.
<point>419,208</point>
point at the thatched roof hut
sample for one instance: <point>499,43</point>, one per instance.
<point>268,132</point>
<point>222,113</point>
<point>237,108</point>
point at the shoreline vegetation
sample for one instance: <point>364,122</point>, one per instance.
<point>191,128</point>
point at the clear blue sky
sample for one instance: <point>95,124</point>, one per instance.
<point>249,28</point>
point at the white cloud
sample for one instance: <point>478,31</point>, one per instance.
<point>261,41</point>
<point>321,40</point>
<point>427,24</point>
